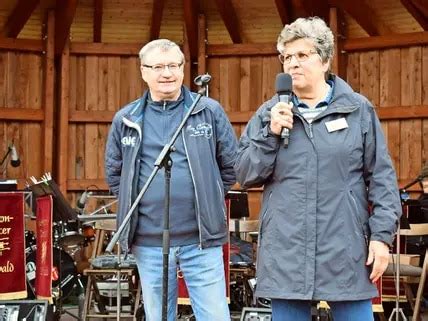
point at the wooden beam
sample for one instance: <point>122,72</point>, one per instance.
<point>202,50</point>
<point>402,112</point>
<point>283,11</point>
<point>64,106</point>
<point>82,116</point>
<point>422,5</point>
<point>416,13</point>
<point>384,113</point>
<point>230,19</point>
<point>48,92</point>
<point>298,9</point>
<point>318,8</point>
<point>384,42</point>
<point>363,15</point>
<point>64,15</point>
<point>116,49</point>
<point>31,45</point>
<point>157,12</point>
<point>82,184</point>
<point>247,49</point>
<point>21,114</point>
<point>191,10</point>
<point>98,20</point>
<point>19,17</point>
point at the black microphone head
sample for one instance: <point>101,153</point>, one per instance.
<point>283,84</point>
<point>202,79</point>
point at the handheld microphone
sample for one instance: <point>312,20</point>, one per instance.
<point>284,85</point>
<point>14,158</point>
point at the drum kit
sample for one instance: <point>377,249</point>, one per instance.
<point>69,240</point>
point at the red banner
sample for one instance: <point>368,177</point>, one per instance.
<point>12,246</point>
<point>44,271</point>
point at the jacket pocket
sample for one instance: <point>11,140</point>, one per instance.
<point>361,248</point>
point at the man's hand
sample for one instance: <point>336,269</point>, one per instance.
<point>379,257</point>
<point>281,116</point>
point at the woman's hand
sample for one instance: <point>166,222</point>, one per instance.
<point>379,257</point>
<point>281,116</point>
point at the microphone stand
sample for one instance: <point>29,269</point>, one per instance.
<point>397,311</point>
<point>163,160</point>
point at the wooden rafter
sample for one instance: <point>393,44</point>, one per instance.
<point>416,13</point>
<point>422,5</point>
<point>363,15</point>
<point>64,17</point>
<point>230,19</point>
<point>316,8</point>
<point>157,12</point>
<point>191,11</point>
<point>283,11</point>
<point>19,17</point>
<point>298,9</point>
<point>98,20</point>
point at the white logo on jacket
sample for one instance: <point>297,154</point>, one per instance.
<point>202,129</point>
<point>129,141</point>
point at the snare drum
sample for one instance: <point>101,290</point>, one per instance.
<point>66,234</point>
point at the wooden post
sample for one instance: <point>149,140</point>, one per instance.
<point>202,58</point>
<point>48,91</point>
<point>338,65</point>
<point>188,58</point>
<point>62,141</point>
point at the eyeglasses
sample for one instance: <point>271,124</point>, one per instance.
<point>159,68</point>
<point>300,56</point>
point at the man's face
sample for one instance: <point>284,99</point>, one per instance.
<point>164,82</point>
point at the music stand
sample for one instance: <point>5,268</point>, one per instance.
<point>62,210</point>
<point>238,204</point>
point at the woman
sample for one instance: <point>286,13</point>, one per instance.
<point>317,239</point>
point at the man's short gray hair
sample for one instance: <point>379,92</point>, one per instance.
<point>163,45</point>
<point>314,29</point>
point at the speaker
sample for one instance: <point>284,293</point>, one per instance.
<point>256,314</point>
<point>24,310</point>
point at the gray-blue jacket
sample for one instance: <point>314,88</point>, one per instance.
<point>211,145</point>
<point>315,220</point>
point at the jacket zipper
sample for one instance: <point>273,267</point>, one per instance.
<point>358,219</point>
<point>221,193</point>
<point>261,220</point>
<point>198,215</point>
<point>134,156</point>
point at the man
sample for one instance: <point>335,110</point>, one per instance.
<point>201,174</point>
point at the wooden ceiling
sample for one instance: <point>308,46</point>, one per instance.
<point>227,21</point>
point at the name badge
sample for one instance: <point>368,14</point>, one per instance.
<point>336,124</point>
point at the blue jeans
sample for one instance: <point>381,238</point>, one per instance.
<point>203,271</point>
<point>294,310</point>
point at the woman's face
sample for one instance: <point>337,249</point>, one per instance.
<point>304,64</point>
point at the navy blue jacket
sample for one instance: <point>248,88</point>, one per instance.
<point>211,148</point>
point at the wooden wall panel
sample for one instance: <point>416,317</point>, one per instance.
<point>390,83</point>
<point>97,84</point>
<point>391,78</point>
<point>411,94</point>
<point>21,87</point>
<point>242,84</point>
